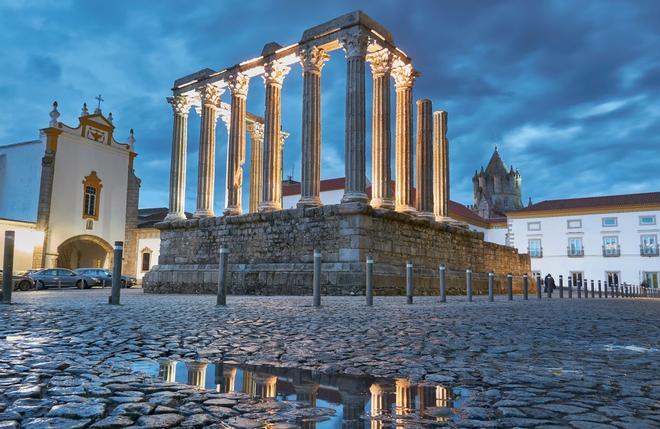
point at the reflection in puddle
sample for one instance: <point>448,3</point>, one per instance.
<point>344,401</point>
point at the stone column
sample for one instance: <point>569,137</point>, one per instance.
<point>225,378</point>
<point>280,171</point>
<point>210,98</point>
<point>404,76</point>
<point>404,399</point>
<point>381,396</point>
<point>265,385</point>
<point>381,131</point>
<point>312,61</point>
<point>274,73</point>
<point>307,392</point>
<point>180,106</point>
<point>167,370</point>
<point>355,47</point>
<point>440,167</point>
<point>197,373</point>
<point>238,85</point>
<point>256,131</point>
<point>424,157</point>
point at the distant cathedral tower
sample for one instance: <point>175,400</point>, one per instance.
<point>496,190</point>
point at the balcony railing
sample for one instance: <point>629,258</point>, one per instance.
<point>574,252</point>
<point>612,251</point>
<point>649,250</point>
<point>535,253</point>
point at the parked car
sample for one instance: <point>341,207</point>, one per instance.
<point>54,278</point>
<point>103,277</point>
<point>15,280</point>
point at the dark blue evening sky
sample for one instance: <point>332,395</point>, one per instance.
<point>568,90</point>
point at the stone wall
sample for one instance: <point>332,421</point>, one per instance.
<point>271,253</point>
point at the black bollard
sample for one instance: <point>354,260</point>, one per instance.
<point>593,292</point>
<point>579,288</point>
<point>316,282</point>
<point>8,267</point>
<point>585,283</point>
<point>491,286</point>
<point>570,287</point>
<point>616,289</point>
<point>468,284</point>
<point>538,287</point>
<point>443,284</point>
<point>116,273</point>
<point>606,285</point>
<point>222,277</point>
<point>509,286</point>
<point>549,291</point>
<point>370,281</point>
<point>561,286</point>
<point>600,292</point>
<point>409,282</point>
<point>525,287</point>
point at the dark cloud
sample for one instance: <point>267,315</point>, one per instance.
<point>568,90</point>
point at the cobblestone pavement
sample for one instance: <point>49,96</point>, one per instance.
<point>64,356</point>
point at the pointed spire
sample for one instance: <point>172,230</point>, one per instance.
<point>131,140</point>
<point>110,118</point>
<point>54,114</point>
<point>84,111</point>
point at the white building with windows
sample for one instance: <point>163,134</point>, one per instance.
<point>611,238</point>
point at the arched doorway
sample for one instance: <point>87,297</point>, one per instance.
<point>84,251</point>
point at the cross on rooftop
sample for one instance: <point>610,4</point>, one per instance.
<point>100,99</point>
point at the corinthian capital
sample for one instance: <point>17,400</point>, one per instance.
<point>381,62</point>
<point>238,84</point>
<point>404,75</point>
<point>355,45</point>
<point>256,131</point>
<point>210,95</point>
<point>180,104</point>
<point>312,59</point>
<point>275,72</point>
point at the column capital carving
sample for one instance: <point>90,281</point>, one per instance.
<point>180,104</point>
<point>238,83</point>
<point>283,136</point>
<point>256,131</point>
<point>355,45</point>
<point>313,59</point>
<point>275,72</point>
<point>210,95</point>
<point>404,75</point>
<point>380,61</point>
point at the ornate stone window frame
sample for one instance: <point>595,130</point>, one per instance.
<point>91,181</point>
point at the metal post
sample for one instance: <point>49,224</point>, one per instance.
<point>443,284</point>
<point>561,286</point>
<point>316,286</point>
<point>222,277</point>
<point>600,291</point>
<point>593,292</point>
<point>509,286</point>
<point>8,267</point>
<point>525,287</point>
<point>538,287</point>
<point>491,286</point>
<point>116,273</point>
<point>549,291</point>
<point>409,282</point>
<point>468,284</point>
<point>579,288</point>
<point>606,285</point>
<point>616,289</point>
<point>570,287</point>
<point>585,283</point>
<point>370,281</point>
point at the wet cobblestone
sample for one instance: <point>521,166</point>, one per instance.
<point>65,357</point>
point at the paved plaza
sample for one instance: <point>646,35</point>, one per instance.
<point>66,357</point>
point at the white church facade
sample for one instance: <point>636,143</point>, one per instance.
<point>70,194</point>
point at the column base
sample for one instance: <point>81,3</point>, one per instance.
<point>314,201</point>
<point>199,213</point>
<point>268,206</point>
<point>444,219</point>
<point>404,208</point>
<point>354,197</point>
<point>382,203</point>
<point>426,215</point>
<point>172,216</point>
<point>232,211</point>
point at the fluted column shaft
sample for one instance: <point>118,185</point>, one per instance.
<point>256,165</point>
<point>404,76</point>
<point>210,97</point>
<point>238,84</point>
<point>424,158</point>
<point>312,61</point>
<point>381,131</point>
<point>355,162</point>
<point>272,169</point>
<point>440,166</point>
<point>180,107</point>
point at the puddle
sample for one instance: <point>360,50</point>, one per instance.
<point>317,400</point>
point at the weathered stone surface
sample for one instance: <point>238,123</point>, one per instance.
<point>77,411</point>
<point>54,423</point>
<point>113,422</point>
<point>160,420</point>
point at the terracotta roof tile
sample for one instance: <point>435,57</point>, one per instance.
<point>594,202</point>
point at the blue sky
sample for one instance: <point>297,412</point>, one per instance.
<point>568,90</point>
